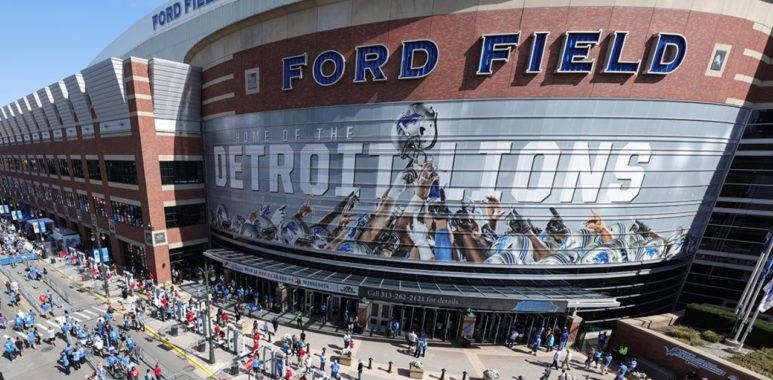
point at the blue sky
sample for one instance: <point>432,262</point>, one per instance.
<point>45,41</point>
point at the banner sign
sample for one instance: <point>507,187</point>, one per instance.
<point>95,252</point>
<point>496,181</point>
<point>691,359</point>
<point>42,227</point>
<point>105,255</point>
<point>293,280</point>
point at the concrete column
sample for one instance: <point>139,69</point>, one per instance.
<point>573,322</point>
<point>363,310</point>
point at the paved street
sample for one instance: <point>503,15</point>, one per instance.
<point>85,306</point>
<point>41,363</point>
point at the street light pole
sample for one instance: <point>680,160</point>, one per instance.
<point>98,236</point>
<point>207,270</point>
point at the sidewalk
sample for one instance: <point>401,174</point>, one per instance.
<point>510,363</point>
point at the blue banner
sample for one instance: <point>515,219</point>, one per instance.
<point>95,253</point>
<point>42,226</point>
<point>105,255</point>
<point>7,209</point>
<point>20,216</point>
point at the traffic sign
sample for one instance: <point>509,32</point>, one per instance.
<point>249,364</point>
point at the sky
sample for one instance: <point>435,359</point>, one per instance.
<point>45,41</point>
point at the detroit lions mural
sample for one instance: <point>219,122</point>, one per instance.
<point>464,188</point>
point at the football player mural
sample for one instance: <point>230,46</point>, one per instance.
<point>413,219</point>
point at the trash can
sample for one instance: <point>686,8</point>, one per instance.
<point>466,342</point>
<point>359,328</point>
<point>234,368</point>
<point>201,346</point>
<point>154,313</point>
<point>173,330</point>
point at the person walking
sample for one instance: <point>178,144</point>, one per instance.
<point>360,367</point>
<point>275,323</point>
<point>605,363</point>
<point>51,336</point>
<point>556,359</point>
<point>535,346</point>
<point>546,373</point>
<point>623,351</point>
<point>322,361</point>
<point>589,358</point>
<point>299,319</point>
<point>411,341</point>
<point>513,338</point>
<point>567,360</point>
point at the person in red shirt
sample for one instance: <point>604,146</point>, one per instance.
<point>225,317</point>
<point>157,372</point>
<point>288,374</point>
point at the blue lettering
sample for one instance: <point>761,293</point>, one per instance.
<point>408,69</point>
<point>538,43</point>
<point>155,21</point>
<point>668,54</point>
<point>339,64</point>
<point>574,52</point>
<point>177,9</point>
<point>370,58</point>
<point>291,69</point>
<point>161,18</point>
<point>187,5</point>
<point>612,64</point>
<point>169,14</point>
<point>496,47</point>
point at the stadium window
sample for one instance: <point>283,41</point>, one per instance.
<point>181,172</point>
<point>121,171</point>
<point>77,168</point>
<point>64,169</point>
<point>184,215</point>
<point>93,168</point>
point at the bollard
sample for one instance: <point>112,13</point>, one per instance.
<point>323,350</point>
<point>443,374</point>
<point>269,337</point>
<point>370,363</point>
<point>390,368</point>
<point>464,375</point>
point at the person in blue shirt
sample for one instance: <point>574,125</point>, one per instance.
<point>602,340</point>
<point>605,363</point>
<point>334,369</point>
<point>536,345</point>
<point>622,370</point>
<point>76,357</point>
<point>419,346</point>
<point>19,323</point>
<point>279,367</point>
<point>322,361</point>
<point>564,340</point>
<point>9,350</point>
<point>632,364</point>
<point>31,339</point>
<point>113,336</point>
<point>66,364</point>
<point>130,343</point>
<point>323,309</point>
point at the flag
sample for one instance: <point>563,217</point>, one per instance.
<point>766,248</point>
<point>767,301</point>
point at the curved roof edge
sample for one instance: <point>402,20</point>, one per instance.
<point>170,37</point>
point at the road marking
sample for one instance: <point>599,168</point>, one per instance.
<point>52,324</point>
<point>22,335</point>
<point>41,326</point>
<point>90,312</point>
<point>86,316</point>
<point>98,309</point>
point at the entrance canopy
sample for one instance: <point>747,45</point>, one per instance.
<point>494,297</point>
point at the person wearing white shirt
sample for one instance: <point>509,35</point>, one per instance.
<point>556,359</point>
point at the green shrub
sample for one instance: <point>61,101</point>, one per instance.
<point>709,318</point>
<point>761,334</point>
<point>684,334</point>
<point>760,361</point>
<point>711,336</point>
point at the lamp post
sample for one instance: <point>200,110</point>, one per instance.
<point>209,272</point>
<point>40,230</point>
<point>104,266</point>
